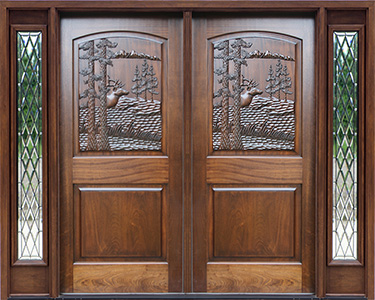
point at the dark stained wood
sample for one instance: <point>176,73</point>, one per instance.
<point>321,146</point>
<point>254,278</point>
<point>248,169</point>
<point>174,119</point>
<point>346,17</point>
<point>308,115</point>
<point>28,276</point>
<point>256,222</point>
<point>116,170</point>
<point>200,128</point>
<point>173,5</point>
<point>369,158</point>
<point>301,281</point>
<point>138,226</point>
<point>119,222</point>
<point>360,131</point>
<point>22,280</point>
<point>28,17</point>
<point>14,143</point>
<point>338,270</point>
<point>121,278</point>
<point>257,170</point>
<point>337,282</point>
<point>187,284</point>
<point>53,146</point>
<point>5,185</point>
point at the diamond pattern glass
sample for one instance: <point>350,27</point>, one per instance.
<point>29,145</point>
<point>345,145</point>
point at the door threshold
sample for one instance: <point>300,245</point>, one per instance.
<point>188,296</point>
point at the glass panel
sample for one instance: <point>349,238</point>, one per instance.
<point>29,130</point>
<point>345,145</point>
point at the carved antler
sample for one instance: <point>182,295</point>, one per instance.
<point>115,84</point>
<point>249,84</point>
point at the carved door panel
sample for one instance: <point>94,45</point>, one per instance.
<point>253,148</point>
<point>121,137</point>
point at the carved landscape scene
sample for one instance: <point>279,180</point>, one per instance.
<point>254,94</point>
<point>119,106</point>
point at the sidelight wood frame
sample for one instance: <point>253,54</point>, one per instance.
<point>13,149</point>
<point>50,288</point>
<point>360,211</point>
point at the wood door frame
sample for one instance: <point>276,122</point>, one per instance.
<point>54,8</point>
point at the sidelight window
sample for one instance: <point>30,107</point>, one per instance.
<point>345,146</point>
<point>29,145</point>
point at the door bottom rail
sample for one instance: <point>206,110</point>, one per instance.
<point>187,296</point>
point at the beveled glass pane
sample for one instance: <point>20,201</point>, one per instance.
<point>345,146</point>
<point>29,145</point>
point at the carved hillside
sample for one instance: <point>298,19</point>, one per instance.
<point>133,124</point>
<point>265,125</point>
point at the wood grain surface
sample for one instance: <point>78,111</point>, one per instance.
<point>254,222</point>
<point>254,278</point>
<point>120,222</point>
<point>120,278</point>
<point>129,170</point>
<point>276,170</point>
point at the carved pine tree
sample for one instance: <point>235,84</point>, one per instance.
<point>286,84</point>
<point>152,83</point>
<point>90,92</point>
<point>278,79</point>
<point>136,88</point>
<point>270,88</point>
<point>224,92</point>
<point>144,75</point>
<point>239,55</point>
<point>105,60</point>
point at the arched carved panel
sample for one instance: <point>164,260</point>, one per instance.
<point>119,92</point>
<point>255,91</point>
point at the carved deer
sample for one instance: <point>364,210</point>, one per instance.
<point>117,92</point>
<point>251,91</point>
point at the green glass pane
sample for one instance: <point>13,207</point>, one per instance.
<point>29,145</point>
<point>345,146</point>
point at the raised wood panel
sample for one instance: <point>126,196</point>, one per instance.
<point>121,278</point>
<point>120,170</point>
<point>23,280</point>
<point>256,170</point>
<point>255,222</point>
<point>345,280</point>
<point>254,278</point>
<point>120,222</point>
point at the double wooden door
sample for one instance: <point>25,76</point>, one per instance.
<point>124,228</point>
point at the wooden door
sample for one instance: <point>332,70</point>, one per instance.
<point>121,137</point>
<point>253,152</point>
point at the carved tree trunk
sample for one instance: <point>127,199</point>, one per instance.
<point>91,139</point>
<point>237,141</point>
<point>103,133</point>
<point>225,139</point>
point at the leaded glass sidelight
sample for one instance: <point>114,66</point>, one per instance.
<point>345,146</point>
<point>29,145</point>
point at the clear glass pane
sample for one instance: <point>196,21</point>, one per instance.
<point>29,145</point>
<point>345,145</point>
